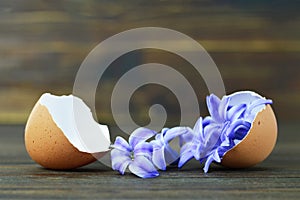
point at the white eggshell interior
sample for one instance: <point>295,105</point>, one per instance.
<point>76,121</point>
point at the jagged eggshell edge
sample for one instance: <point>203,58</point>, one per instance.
<point>76,121</point>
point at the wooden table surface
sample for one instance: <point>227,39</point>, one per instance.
<point>278,177</point>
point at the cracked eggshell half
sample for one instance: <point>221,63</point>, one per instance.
<point>61,133</point>
<point>259,141</point>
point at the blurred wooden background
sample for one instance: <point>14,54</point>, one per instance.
<point>255,44</point>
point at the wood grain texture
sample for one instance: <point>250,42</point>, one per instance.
<point>276,178</point>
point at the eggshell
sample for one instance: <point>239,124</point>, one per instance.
<point>257,144</point>
<point>47,145</point>
<point>52,139</point>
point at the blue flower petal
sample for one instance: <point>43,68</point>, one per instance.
<point>216,157</point>
<point>207,164</point>
<point>198,130</point>
<point>206,121</point>
<point>213,157</point>
<point>121,144</point>
<point>198,125</point>
<point>120,160</point>
<point>140,135</point>
<point>187,147</point>
<point>175,132</point>
<point>159,138</point>
<point>259,102</point>
<point>256,106</point>
<point>236,112</point>
<point>163,154</point>
<point>233,130</point>
<point>171,156</point>
<point>158,158</point>
<point>212,135</point>
<point>185,138</point>
<point>198,153</point>
<point>164,130</point>
<point>143,149</point>
<point>213,103</point>
<point>143,168</point>
<point>223,107</point>
<point>222,150</point>
<point>185,155</point>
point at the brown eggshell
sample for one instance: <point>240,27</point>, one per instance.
<point>47,145</point>
<point>258,143</point>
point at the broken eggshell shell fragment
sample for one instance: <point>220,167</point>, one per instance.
<point>260,140</point>
<point>61,133</point>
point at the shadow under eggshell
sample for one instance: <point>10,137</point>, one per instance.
<point>258,143</point>
<point>47,145</point>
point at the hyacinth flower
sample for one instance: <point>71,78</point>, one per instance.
<point>136,155</point>
<point>163,154</point>
<point>229,122</point>
<point>192,148</point>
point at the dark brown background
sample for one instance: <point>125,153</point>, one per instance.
<point>42,44</point>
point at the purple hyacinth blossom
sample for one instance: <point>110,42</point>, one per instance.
<point>231,118</point>
<point>229,122</point>
<point>163,154</point>
<point>193,148</point>
<point>136,155</point>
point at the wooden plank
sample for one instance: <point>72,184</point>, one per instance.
<point>276,178</point>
